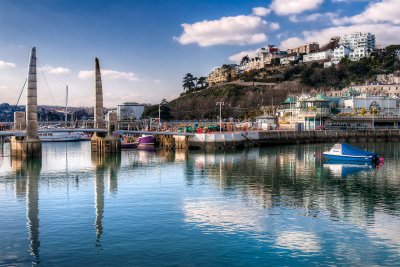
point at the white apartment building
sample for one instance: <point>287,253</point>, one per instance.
<point>361,44</point>
<point>360,52</point>
<point>318,56</point>
<point>340,52</point>
<point>288,59</point>
<point>130,111</point>
<point>358,39</point>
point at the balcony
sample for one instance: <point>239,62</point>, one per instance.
<point>319,112</point>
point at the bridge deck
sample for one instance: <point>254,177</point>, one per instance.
<point>64,130</point>
<point>152,133</point>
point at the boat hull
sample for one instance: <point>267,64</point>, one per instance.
<point>349,158</point>
<point>146,141</point>
<point>62,139</point>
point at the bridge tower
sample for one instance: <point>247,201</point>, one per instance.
<point>30,144</point>
<point>103,142</point>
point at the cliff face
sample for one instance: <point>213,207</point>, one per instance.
<point>239,101</point>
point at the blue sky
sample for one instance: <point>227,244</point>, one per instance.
<point>146,47</point>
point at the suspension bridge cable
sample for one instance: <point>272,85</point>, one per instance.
<point>20,94</point>
<point>43,65</point>
<point>48,87</point>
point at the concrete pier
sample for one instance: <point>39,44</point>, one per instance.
<point>103,143</point>
<point>29,145</point>
<point>232,140</point>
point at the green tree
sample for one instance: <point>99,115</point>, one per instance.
<point>188,82</point>
<point>244,60</point>
<point>201,83</point>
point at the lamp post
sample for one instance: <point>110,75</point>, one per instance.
<point>159,116</point>
<point>220,114</point>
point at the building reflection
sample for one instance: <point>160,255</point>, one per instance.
<point>27,173</point>
<point>104,165</point>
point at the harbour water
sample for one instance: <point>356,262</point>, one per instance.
<point>278,205</point>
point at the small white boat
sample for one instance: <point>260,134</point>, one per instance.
<point>63,137</point>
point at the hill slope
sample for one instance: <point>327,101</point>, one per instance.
<point>239,101</point>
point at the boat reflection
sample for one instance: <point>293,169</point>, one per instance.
<point>343,169</point>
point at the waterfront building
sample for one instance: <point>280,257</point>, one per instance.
<point>305,49</point>
<point>226,73</point>
<point>318,56</point>
<point>314,110</point>
<point>384,105</point>
<point>266,122</point>
<point>130,111</point>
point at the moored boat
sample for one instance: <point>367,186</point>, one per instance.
<point>63,137</point>
<point>146,141</point>
<point>128,143</point>
<point>346,152</point>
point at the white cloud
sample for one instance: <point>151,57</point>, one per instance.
<point>291,43</point>
<point>239,30</point>
<point>348,1</point>
<point>296,240</point>
<point>376,12</point>
<point>328,16</point>
<point>238,57</point>
<point>54,70</point>
<point>5,65</point>
<point>288,7</point>
<point>385,34</point>
<point>109,74</point>
<point>261,11</point>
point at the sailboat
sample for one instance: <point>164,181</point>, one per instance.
<point>50,136</point>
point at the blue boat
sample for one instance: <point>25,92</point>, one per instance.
<point>348,152</point>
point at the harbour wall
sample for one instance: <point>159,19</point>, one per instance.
<point>263,138</point>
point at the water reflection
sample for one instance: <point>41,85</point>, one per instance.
<point>103,163</point>
<point>27,173</point>
<point>263,186</point>
<point>341,169</point>
<point>283,203</point>
<point>296,240</point>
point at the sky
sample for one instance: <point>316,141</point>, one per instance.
<point>146,47</point>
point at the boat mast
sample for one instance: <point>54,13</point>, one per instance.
<point>66,106</point>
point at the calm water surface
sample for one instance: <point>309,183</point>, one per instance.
<point>278,205</point>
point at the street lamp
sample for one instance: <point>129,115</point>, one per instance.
<point>220,114</point>
<point>159,116</point>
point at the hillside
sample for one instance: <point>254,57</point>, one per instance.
<point>239,101</point>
